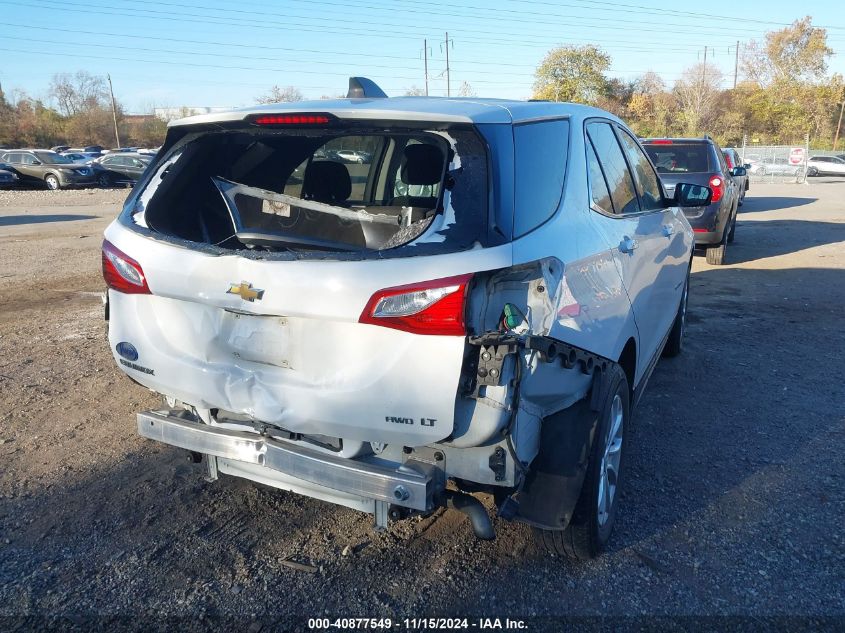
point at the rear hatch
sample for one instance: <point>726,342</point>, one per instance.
<point>309,276</point>
<point>678,161</point>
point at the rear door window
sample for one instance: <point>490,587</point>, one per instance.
<point>540,167</point>
<point>619,178</point>
<point>648,187</point>
<point>599,193</point>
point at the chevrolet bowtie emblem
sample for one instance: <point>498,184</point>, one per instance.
<point>246,291</point>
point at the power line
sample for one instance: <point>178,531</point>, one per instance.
<point>181,40</point>
<point>151,14</point>
<point>475,16</point>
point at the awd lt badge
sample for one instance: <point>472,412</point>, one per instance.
<point>246,291</point>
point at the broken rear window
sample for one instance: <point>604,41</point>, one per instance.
<point>320,190</point>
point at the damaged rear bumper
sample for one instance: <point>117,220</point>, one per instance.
<point>402,486</point>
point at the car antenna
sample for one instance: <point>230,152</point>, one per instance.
<point>363,88</point>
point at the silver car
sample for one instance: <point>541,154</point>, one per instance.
<point>481,303</point>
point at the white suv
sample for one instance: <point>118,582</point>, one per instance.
<point>477,307</point>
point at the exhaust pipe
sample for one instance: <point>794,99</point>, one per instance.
<point>482,526</point>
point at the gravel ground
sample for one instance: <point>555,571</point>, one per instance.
<point>734,499</point>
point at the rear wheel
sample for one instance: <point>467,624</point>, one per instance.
<point>595,512</point>
<point>104,180</point>
<point>812,171</point>
<point>52,182</point>
<point>716,254</point>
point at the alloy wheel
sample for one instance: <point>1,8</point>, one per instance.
<point>611,460</point>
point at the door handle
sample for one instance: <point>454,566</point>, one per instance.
<point>628,245</point>
<point>668,230</point>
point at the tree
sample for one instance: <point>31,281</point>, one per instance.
<point>797,53</point>
<point>414,91</point>
<point>573,73</point>
<point>466,90</point>
<point>697,92</point>
<point>281,95</point>
<point>79,92</point>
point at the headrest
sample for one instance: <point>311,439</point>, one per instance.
<point>422,164</point>
<point>327,181</point>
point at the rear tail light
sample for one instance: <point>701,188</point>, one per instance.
<point>660,141</point>
<point>122,273</point>
<point>717,184</point>
<point>432,307</point>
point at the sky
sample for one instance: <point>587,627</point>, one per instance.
<point>219,53</point>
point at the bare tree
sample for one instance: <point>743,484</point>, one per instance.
<point>79,92</point>
<point>281,95</point>
<point>697,92</point>
<point>414,91</point>
<point>466,90</point>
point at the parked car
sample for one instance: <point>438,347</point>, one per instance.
<point>700,161</point>
<point>60,148</point>
<point>121,168</point>
<point>743,182</point>
<point>351,156</point>
<point>8,177</point>
<point>365,348</point>
<point>81,157</point>
<point>93,149</point>
<point>775,166</point>
<point>826,166</point>
<point>41,167</point>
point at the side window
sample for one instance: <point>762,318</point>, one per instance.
<point>27,159</point>
<point>619,179</point>
<point>540,153</point>
<point>647,184</point>
<point>599,193</point>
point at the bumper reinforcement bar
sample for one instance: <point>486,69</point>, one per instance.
<point>402,486</point>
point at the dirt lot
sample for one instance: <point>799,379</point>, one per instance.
<point>735,497</point>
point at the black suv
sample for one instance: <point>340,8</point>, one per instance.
<point>700,161</point>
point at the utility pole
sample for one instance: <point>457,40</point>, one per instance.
<point>704,69</point>
<point>838,125</point>
<point>425,56</point>
<point>736,63</point>
<point>113,112</point>
<point>448,79</point>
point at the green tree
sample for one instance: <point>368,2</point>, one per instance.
<point>573,73</point>
<point>797,53</point>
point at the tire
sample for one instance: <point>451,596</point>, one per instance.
<point>592,521</point>
<point>716,254</point>
<point>812,171</point>
<point>52,182</point>
<point>104,181</point>
<point>742,195</point>
<point>675,342</point>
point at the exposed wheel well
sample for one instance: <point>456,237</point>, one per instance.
<point>628,362</point>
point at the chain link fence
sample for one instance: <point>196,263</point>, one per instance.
<point>776,163</point>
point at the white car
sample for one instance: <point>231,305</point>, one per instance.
<point>826,166</point>
<point>366,346</point>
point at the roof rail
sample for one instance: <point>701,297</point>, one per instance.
<point>363,88</point>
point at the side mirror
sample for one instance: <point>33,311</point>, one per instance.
<point>739,171</point>
<point>688,195</point>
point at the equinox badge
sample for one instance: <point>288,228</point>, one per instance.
<point>246,291</point>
